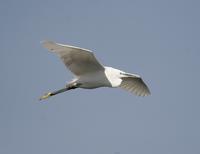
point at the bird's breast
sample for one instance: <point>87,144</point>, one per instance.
<point>113,76</point>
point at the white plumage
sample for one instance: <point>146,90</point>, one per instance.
<point>90,73</point>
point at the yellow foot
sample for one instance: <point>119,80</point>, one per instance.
<point>45,96</point>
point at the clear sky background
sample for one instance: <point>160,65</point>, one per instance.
<point>160,40</point>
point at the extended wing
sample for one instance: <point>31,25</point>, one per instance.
<point>135,84</point>
<point>78,60</point>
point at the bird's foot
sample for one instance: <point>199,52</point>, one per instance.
<point>45,96</point>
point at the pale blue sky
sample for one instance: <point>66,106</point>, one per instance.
<point>160,40</point>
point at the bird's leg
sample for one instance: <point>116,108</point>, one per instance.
<point>47,95</point>
<point>72,85</point>
<point>68,87</point>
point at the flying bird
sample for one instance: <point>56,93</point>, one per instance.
<point>90,74</point>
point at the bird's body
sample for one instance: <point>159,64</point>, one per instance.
<point>90,74</point>
<point>109,77</point>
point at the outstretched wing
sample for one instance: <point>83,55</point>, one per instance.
<point>78,60</point>
<point>135,84</point>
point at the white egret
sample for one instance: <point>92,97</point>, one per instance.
<point>90,74</point>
